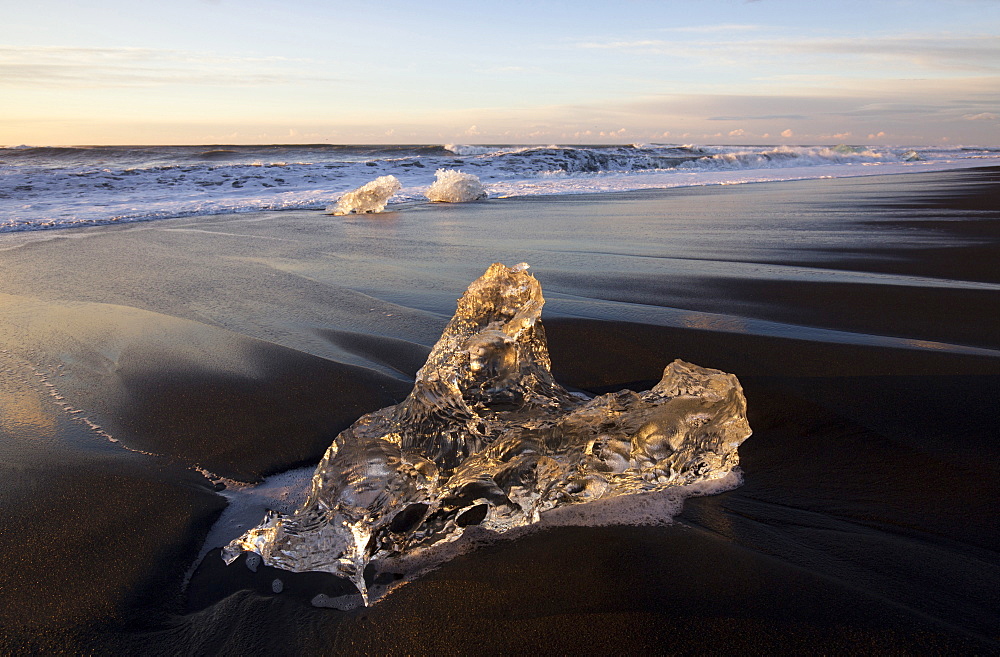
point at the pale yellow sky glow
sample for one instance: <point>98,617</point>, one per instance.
<point>723,72</point>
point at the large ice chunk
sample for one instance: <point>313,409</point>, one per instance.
<point>370,197</point>
<point>488,437</point>
<point>453,186</point>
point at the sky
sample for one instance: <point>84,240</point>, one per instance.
<point>896,72</point>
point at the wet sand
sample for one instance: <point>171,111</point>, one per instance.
<point>860,316</point>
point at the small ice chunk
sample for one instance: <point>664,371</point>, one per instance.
<point>277,585</point>
<point>370,197</point>
<point>253,561</point>
<point>453,186</point>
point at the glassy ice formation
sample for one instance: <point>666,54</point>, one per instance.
<point>453,186</point>
<point>488,437</point>
<point>370,197</point>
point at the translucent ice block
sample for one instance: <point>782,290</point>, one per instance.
<point>488,437</point>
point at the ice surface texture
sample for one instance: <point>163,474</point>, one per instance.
<point>452,186</point>
<point>488,437</point>
<point>370,197</point>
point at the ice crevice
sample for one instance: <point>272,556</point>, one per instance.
<point>488,438</point>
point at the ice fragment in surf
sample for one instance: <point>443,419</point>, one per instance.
<point>453,186</point>
<point>370,197</point>
<point>488,437</point>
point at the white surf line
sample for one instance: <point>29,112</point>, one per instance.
<point>231,486</point>
<point>684,178</point>
<point>78,416</point>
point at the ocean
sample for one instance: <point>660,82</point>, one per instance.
<point>179,355</point>
<point>57,187</point>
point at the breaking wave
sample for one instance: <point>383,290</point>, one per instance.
<point>55,187</point>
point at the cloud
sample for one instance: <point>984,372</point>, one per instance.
<point>127,67</point>
<point>787,133</point>
<point>892,109</point>
<point>968,52</point>
<point>911,111</point>
<point>622,45</point>
<point>711,29</point>
<point>472,131</point>
<point>979,53</point>
<point>789,106</point>
<point>762,117</point>
<point>982,116</point>
<point>739,132</point>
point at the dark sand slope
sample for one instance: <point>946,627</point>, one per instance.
<point>95,534</point>
<point>91,533</point>
<point>867,521</point>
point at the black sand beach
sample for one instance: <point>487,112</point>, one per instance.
<point>862,317</point>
